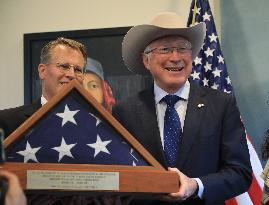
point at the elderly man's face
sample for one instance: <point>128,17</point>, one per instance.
<point>169,61</point>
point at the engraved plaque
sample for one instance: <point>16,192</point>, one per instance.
<point>72,180</point>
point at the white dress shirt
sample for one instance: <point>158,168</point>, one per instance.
<point>181,108</point>
<point>43,100</point>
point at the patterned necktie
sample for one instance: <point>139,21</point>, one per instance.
<point>172,130</point>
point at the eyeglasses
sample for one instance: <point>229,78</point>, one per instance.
<point>65,67</point>
<point>169,50</point>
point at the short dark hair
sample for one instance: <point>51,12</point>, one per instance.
<point>46,50</point>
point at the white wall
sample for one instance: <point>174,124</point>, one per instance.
<point>18,17</point>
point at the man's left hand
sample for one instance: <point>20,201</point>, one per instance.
<point>187,188</point>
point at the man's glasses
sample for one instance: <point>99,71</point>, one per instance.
<point>65,67</point>
<point>181,47</point>
<point>169,50</point>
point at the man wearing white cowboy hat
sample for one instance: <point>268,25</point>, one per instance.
<point>204,142</point>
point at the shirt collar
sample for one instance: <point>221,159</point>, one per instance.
<point>43,100</point>
<point>183,92</point>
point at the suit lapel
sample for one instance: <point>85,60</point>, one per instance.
<point>150,136</point>
<point>31,109</point>
<point>194,114</point>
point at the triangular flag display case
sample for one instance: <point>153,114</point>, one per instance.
<point>73,144</point>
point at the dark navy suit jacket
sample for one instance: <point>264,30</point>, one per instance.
<point>213,148</point>
<point>11,119</point>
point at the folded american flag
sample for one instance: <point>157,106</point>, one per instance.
<point>73,133</point>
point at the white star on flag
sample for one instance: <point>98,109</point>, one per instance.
<point>215,86</point>
<point>131,153</point>
<point>206,16</point>
<point>213,37</point>
<point>221,59</point>
<point>98,121</point>
<point>197,10</point>
<point>205,82</point>
<point>216,72</point>
<point>207,67</point>
<point>228,80</point>
<point>67,115</point>
<point>209,52</point>
<point>64,149</point>
<point>226,91</point>
<point>198,61</point>
<point>29,153</point>
<point>195,75</point>
<point>99,146</point>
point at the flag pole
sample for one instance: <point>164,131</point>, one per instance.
<point>194,13</point>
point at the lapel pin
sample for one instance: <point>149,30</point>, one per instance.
<point>201,105</point>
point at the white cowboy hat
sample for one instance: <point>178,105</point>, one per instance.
<point>164,24</point>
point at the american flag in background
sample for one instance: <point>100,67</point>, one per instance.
<point>73,133</point>
<point>209,69</point>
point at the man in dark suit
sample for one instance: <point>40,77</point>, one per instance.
<point>61,61</point>
<point>206,144</point>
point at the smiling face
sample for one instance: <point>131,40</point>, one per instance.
<point>169,61</point>
<point>53,77</point>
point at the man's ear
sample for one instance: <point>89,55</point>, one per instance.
<point>42,71</point>
<point>146,60</point>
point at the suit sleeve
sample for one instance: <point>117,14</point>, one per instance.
<point>235,172</point>
<point>4,124</point>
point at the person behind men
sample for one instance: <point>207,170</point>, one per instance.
<point>95,84</point>
<point>194,131</point>
<point>61,61</point>
<point>265,173</point>
<point>14,194</point>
